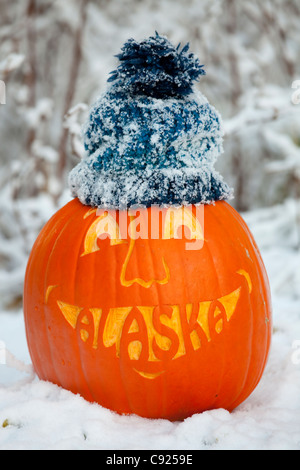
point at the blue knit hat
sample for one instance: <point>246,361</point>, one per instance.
<point>151,138</point>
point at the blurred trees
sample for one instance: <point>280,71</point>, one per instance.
<point>55,57</point>
<point>250,49</point>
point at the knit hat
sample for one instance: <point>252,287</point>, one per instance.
<point>151,138</point>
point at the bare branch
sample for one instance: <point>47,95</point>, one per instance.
<point>74,129</point>
<point>74,71</point>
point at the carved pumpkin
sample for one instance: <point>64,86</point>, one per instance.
<point>149,325</point>
<point>125,307</point>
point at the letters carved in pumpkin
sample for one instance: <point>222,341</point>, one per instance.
<point>152,325</point>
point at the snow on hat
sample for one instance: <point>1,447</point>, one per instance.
<point>151,138</point>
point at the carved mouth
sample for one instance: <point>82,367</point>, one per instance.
<point>148,336</point>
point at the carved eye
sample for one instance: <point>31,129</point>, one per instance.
<point>179,218</point>
<point>103,227</point>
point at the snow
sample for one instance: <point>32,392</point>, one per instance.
<point>38,415</point>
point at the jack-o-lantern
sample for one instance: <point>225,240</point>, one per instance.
<point>122,305</point>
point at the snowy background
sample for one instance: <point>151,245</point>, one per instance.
<point>55,56</point>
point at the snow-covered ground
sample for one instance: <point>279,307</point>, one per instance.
<point>39,415</point>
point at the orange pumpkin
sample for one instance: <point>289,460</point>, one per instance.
<point>149,325</point>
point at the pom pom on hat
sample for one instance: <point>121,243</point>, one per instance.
<point>151,138</point>
<point>155,68</point>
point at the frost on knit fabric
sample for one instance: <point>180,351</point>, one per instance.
<point>155,68</point>
<point>150,138</point>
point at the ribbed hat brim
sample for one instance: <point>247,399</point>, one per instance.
<point>163,187</point>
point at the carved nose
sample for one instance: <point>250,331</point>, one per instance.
<point>127,282</point>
